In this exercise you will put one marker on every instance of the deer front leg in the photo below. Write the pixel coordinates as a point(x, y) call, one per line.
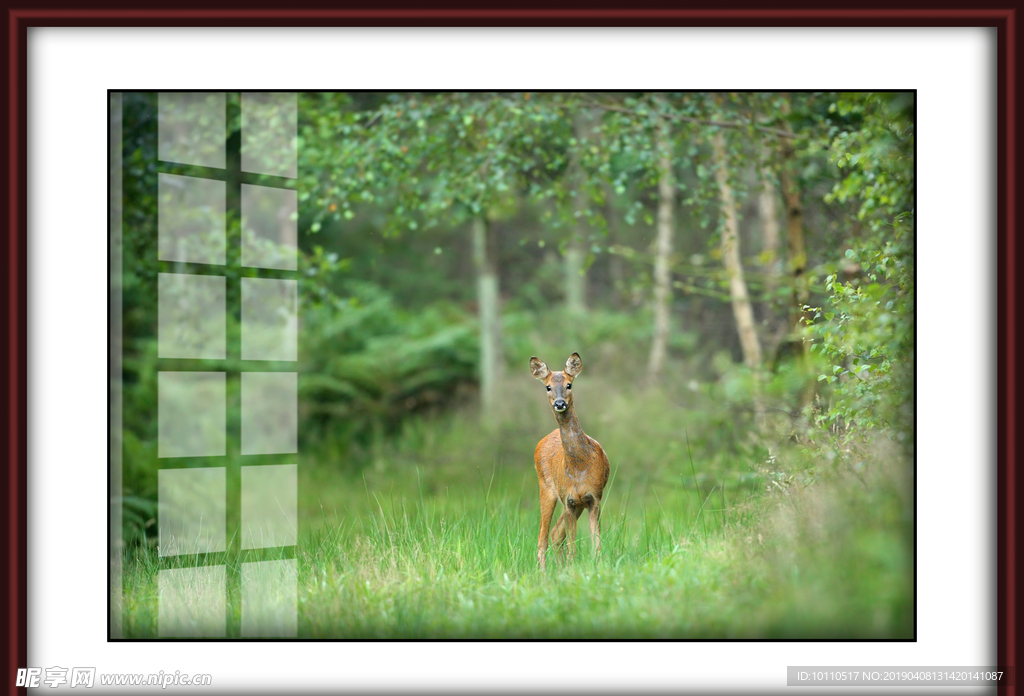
point(547, 509)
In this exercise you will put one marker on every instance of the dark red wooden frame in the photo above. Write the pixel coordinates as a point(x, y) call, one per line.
point(1002, 16)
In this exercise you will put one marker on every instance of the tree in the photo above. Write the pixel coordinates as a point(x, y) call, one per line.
point(485, 261)
point(768, 213)
point(794, 222)
point(663, 251)
point(638, 145)
point(730, 240)
point(575, 252)
point(867, 330)
point(456, 159)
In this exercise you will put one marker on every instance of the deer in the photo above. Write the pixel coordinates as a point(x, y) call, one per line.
point(572, 468)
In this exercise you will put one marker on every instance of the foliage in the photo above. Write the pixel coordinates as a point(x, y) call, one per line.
point(867, 331)
point(368, 364)
point(434, 157)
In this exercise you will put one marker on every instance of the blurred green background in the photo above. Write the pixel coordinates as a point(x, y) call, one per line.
point(736, 271)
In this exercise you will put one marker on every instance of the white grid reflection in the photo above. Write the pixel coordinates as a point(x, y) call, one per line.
point(270, 413)
point(191, 414)
point(269, 227)
point(191, 128)
point(269, 599)
point(269, 133)
point(269, 506)
point(192, 603)
point(192, 511)
point(270, 310)
point(191, 316)
point(190, 219)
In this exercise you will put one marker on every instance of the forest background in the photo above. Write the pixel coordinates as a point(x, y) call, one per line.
point(735, 269)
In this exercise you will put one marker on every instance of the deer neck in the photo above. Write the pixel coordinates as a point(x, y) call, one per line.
point(575, 443)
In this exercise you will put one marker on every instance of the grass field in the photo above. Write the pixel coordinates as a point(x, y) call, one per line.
point(436, 537)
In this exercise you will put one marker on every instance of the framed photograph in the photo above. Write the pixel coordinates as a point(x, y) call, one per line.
point(344, 310)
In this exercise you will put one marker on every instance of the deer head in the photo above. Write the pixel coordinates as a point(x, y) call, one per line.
point(558, 384)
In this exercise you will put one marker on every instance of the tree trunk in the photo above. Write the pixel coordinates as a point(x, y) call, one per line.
point(575, 254)
point(575, 278)
point(797, 250)
point(741, 308)
point(795, 237)
point(616, 272)
point(768, 212)
point(663, 253)
point(794, 222)
point(485, 260)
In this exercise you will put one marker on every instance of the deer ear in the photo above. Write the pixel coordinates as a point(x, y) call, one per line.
point(539, 369)
point(573, 366)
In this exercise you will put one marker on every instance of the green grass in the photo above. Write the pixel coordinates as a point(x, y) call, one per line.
point(437, 537)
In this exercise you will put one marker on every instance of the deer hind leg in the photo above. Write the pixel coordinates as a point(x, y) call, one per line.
point(572, 513)
point(595, 526)
point(558, 535)
point(547, 509)
point(571, 520)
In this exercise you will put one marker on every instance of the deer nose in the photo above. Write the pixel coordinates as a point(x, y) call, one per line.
point(559, 404)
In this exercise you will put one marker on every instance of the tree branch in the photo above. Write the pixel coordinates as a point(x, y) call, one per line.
point(688, 119)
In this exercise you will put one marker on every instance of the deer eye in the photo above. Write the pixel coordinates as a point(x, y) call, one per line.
point(568, 386)
point(549, 388)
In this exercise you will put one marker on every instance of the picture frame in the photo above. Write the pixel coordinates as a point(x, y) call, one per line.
point(16, 547)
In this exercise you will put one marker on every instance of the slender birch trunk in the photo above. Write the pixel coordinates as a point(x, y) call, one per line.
point(768, 211)
point(575, 253)
point(486, 264)
point(663, 253)
point(615, 270)
point(741, 307)
point(575, 278)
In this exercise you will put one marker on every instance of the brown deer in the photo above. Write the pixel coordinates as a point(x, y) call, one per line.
point(572, 468)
